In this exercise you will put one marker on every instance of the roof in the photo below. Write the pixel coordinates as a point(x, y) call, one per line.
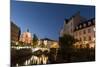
point(75, 15)
point(87, 23)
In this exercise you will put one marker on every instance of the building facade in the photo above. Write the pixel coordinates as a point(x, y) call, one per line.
point(81, 29)
point(26, 37)
point(85, 34)
point(71, 23)
point(15, 32)
point(48, 43)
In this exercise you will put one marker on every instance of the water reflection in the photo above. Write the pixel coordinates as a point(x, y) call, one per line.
point(37, 60)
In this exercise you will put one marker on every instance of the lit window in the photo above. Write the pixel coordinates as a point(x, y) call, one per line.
point(80, 26)
point(76, 27)
point(94, 29)
point(84, 38)
point(89, 30)
point(84, 31)
point(89, 37)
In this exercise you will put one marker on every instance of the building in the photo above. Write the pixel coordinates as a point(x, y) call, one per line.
point(26, 37)
point(48, 43)
point(81, 29)
point(15, 33)
point(71, 23)
point(85, 34)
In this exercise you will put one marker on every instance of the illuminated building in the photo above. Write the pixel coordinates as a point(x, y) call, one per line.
point(85, 34)
point(15, 33)
point(48, 43)
point(26, 37)
point(71, 23)
point(81, 29)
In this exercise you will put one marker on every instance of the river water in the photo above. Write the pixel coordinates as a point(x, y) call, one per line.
point(26, 58)
point(34, 60)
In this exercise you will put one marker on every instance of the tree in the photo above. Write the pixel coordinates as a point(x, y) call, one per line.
point(66, 43)
point(35, 40)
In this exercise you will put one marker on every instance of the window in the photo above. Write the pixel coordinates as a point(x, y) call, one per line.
point(80, 33)
point(84, 25)
point(84, 31)
point(80, 26)
point(76, 27)
point(89, 38)
point(80, 39)
point(84, 38)
point(94, 34)
point(94, 29)
point(89, 23)
point(71, 24)
point(89, 30)
point(76, 34)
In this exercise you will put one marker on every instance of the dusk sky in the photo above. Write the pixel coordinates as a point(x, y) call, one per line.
point(44, 19)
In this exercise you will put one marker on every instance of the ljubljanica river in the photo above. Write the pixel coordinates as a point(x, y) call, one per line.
point(35, 60)
point(25, 57)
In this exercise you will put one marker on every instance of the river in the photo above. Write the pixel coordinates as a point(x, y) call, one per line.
point(34, 60)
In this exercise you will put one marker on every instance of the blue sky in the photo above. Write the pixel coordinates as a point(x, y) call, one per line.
point(44, 19)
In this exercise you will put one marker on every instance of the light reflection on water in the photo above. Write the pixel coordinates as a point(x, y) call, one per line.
point(37, 60)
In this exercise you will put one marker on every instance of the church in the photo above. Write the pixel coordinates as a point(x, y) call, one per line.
point(26, 37)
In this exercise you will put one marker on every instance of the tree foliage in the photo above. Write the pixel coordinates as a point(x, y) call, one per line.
point(66, 41)
point(35, 40)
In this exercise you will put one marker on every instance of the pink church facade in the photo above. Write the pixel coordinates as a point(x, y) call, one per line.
point(26, 37)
